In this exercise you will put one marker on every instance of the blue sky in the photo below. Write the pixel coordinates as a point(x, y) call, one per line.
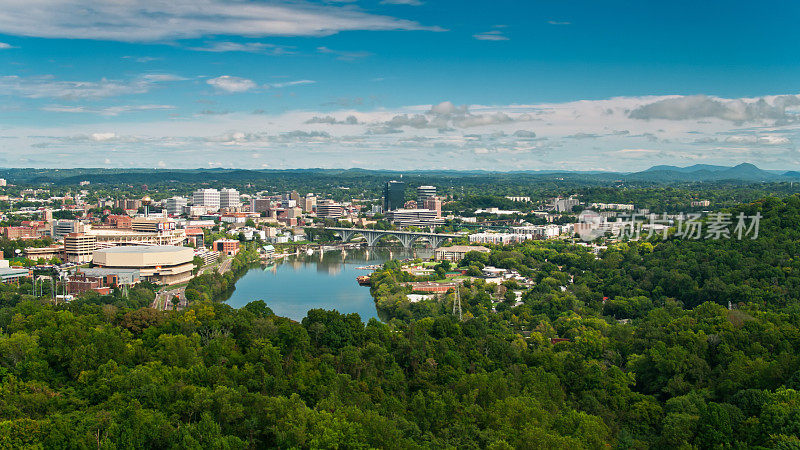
point(497, 85)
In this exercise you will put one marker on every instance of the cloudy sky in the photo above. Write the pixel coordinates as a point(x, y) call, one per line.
point(399, 84)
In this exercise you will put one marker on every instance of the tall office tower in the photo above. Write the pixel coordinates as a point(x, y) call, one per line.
point(294, 196)
point(434, 204)
point(208, 198)
point(229, 198)
point(394, 195)
point(424, 192)
point(260, 204)
point(174, 205)
point(308, 203)
point(79, 248)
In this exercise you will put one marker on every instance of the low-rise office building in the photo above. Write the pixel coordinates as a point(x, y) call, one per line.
point(14, 233)
point(11, 274)
point(228, 247)
point(414, 217)
point(61, 228)
point(537, 231)
point(53, 251)
point(208, 256)
point(494, 238)
point(78, 247)
point(79, 283)
point(148, 225)
point(328, 209)
point(113, 277)
point(457, 252)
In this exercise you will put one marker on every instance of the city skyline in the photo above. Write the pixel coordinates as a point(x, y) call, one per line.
point(399, 84)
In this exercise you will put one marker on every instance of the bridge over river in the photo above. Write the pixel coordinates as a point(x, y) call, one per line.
point(406, 237)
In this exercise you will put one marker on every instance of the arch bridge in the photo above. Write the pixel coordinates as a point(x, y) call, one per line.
point(407, 238)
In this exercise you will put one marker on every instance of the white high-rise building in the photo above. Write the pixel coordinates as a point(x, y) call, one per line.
point(424, 193)
point(206, 197)
point(229, 198)
point(174, 205)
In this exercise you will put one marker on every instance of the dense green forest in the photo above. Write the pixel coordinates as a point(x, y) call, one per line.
point(659, 344)
point(474, 189)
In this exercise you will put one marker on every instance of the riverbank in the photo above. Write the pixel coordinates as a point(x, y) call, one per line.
point(294, 285)
point(213, 286)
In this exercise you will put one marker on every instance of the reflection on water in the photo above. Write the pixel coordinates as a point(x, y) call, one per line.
point(293, 286)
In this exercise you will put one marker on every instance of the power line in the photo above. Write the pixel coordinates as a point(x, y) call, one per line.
point(457, 304)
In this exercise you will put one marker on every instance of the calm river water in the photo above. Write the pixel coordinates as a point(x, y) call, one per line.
point(298, 283)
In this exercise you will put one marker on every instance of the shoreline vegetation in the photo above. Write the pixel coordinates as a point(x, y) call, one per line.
point(215, 286)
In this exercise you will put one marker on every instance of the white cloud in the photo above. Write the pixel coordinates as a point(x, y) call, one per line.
point(155, 20)
point(4, 46)
point(445, 115)
point(758, 140)
point(143, 59)
point(581, 135)
point(290, 83)
point(246, 47)
point(232, 84)
point(557, 22)
point(161, 77)
point(494, 35)
point(344, 55)
point(106, 111)
point(101, 137)
point(48, 87)
point(705, 107)
point(330, 120)
point(401, 2)
point(633, 153)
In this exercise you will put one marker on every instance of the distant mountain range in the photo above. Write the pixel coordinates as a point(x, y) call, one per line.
point(706, 172)
point(661, 174)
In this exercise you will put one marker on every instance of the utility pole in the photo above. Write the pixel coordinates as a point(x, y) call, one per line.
point(457, 304)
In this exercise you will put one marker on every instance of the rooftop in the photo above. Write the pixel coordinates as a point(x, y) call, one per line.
point(464, 248)
point(141, 249)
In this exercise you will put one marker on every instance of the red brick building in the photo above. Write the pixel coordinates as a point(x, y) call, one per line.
point(80, 283)
point(195, 237)
point(120, 221)
point(427, 286)
point(14, 233)
point(228, 247)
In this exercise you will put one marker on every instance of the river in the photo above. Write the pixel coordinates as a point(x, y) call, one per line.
point(298, 283)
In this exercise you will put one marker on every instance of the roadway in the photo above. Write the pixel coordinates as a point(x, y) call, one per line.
point(163, 300)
